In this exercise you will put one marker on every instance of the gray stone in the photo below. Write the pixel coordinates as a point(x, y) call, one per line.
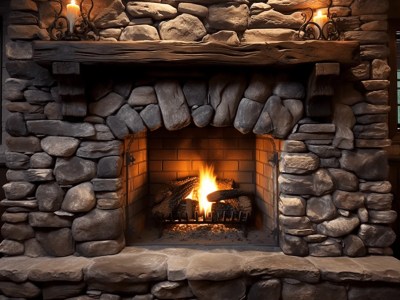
point(332, 162)
point(19, 50)
point(27, 32)
point(48, 220)
point(247, 115)
point(99, 149)
point(293, 245)
point(317, 128)
point(305, 291)
point(31, 175)
point(195, 92)
point(214, 266)
point(339, 227)
point(131, 118)
point(315, 238)
point(369, 119)
point(49, 196)
point(229, 16)
point(156, 11)
point(41, 160)
point(139, 33)
point(107, 105)
point(11, 248)
point(282, 120)
point(275, 19)
point(15, 125)
point(376, 235)
point(329, 247)
point(320, 209)
point(292, 205)
point(171, 100)
point(14, 217)
point(371, 293)
point(37, 96)
point(33, 248)
point(61, 128)
point(53, 111)
point(374, 51)
point(24, 107)
point(193, 9)
point(366, 164)
point(367, 108)
point(17, 232)
point(378, 201)
point(293, 146)
point(80, 198)
point(343, 180)
point(184, 27)
point(365, 7)
point(295, 108)
point(59, 146)
point(265, 289)
point(376, 187)
point(14, 88)
point(354, 246)
point(259, 88)
point(106, 184)
point(289, 90)
point(348, 200)
point(223, 36)
point(74, 170)
point(142, 95)
point(100, 248)
point(109, 167)
point(316, 184)
point(103, 133)
point(362, 214)
point(298, 163)
point(216, 290)
point(56, 242)
point(171, 290)
point(28, 144)
point(98, 225)
point(19, 205)
point(264, 123)
point(371, 131)
point(30, 70)
point(324, 151)
point(298, 226)
point(19, 290)
point(63, 290)
point(117, 126)
point(128, 269)
point(111, 33)
point(18, 190)
point(112, 16)
point(382, 216)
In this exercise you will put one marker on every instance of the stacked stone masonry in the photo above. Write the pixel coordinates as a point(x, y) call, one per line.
point(334, 195)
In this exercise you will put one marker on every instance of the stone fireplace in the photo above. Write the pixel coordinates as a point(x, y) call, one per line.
point(101, 132)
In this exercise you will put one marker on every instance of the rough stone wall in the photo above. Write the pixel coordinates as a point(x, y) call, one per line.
point(334, 199)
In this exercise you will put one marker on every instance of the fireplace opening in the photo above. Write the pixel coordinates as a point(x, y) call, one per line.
point(160, 163)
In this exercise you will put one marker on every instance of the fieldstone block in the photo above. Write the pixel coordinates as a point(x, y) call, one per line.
point(41, 160)
point(344, 180)
point(14, 89)
point(305, 291)
point(10, 247)
point(98, 225)
point(80, 198)
point(27, 32)
point(369, 109)
point(378, 97)
point(348, 200)
point(369, 7)
point(293, 245)
point(63, 290)
point(193, 9)
point(95, 150)
point(320, 209)
point(103, 133)
point(376, 187)
point(329, 247)
point(289, 90)
point(48, 220)
point(223, 36)
point(247, 115)
point(203, 115)
point(378, 201)
point(282, 120)
point(24, 5)
point(171, 100)
point(156, 11)
point(61, 128)
point(131, 118)
point(264, 123)
point(31, 175)
point(170, 290)
point(59, 146)
point(284, 5)
point(367, 37)
point(33, 248)
point(298, 163)
point(112, 16)
point(49, 196)
point(354, 246)
point(23, 144)
point(273, 34)
point(259, 88)
point(19, 290)
point(265, 289)
point(18, 190)
point(216, 290)
point(230, 16)
point(30, 70)
point(17, 232)
point(56, 242)
point(151, 116)
point(382, 216)
point(117, 127)
point(380, 69)
point(100, 248)
point(316, 184)
point(292, 205)
point(369, 293)
point(139, 33)
point(184, 27)
point(366, 164)
point(195, 92)
point(14, 217)
point(339, 227)
point(109, 167)
point(142, 96)
point(107, 105)
point(275, 19)
point(74, 170)
point(298, 226)
point(111, 33)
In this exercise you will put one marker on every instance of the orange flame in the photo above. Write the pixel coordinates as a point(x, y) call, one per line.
point(207, 185)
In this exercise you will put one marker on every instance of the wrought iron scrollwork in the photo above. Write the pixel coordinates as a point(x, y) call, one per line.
point(83, 29)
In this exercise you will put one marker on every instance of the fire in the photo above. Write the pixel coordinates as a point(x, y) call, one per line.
point(207, 185)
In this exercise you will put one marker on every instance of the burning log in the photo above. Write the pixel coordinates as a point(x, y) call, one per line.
point(224, 195)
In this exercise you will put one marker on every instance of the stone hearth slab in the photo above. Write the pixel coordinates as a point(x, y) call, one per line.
point(131, 264)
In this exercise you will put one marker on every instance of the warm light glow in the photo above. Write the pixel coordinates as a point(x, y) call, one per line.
point(207, 185)
point(73, 12)
point(320, 18)
point(73, 2)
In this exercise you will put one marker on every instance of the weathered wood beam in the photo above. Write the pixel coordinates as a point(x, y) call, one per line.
point(143, 52)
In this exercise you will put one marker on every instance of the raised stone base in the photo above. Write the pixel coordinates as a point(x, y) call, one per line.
point(182, 273)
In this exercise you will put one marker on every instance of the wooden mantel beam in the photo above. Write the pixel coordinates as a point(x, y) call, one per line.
point(144, 52)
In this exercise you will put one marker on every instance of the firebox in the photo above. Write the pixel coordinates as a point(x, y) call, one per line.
point(163, 187)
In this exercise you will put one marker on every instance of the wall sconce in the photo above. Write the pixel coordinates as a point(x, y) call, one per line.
point(76, 25)
point(319, 27)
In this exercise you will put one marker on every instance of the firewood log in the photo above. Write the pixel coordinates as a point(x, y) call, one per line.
point(224, 194)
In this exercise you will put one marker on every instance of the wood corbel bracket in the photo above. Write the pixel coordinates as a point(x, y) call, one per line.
point(321, 90)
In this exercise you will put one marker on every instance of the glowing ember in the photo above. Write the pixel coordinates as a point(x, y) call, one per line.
point(207, 185)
